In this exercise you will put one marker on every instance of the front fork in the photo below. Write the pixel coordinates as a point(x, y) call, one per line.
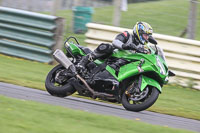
point(141, 84)
point(135, 86)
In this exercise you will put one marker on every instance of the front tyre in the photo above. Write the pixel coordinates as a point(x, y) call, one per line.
point(142, 101)
point(56, 89)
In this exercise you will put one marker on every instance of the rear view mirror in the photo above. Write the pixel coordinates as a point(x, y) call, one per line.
point(152, 40)
point(171, 74)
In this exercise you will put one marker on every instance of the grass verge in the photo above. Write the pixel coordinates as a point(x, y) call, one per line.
point(21, 116)
point(174, 100)
point(166, 17)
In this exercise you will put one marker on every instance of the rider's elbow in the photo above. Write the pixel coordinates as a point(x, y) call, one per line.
point(117, 44)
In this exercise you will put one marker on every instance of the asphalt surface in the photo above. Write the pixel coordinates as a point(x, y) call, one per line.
point(98, 107)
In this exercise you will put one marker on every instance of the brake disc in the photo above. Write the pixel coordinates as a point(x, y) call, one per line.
point(60, 76)
point(137, 97)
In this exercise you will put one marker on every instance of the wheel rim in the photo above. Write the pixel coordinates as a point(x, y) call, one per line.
point(136, 98)
point(53, 80)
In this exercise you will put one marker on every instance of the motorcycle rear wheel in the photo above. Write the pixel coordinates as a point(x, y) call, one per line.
point(55, 89)
point(142, 104)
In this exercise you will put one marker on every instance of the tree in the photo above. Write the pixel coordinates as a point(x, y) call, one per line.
point(191, 29)
point(56, 6)
point(117, 12)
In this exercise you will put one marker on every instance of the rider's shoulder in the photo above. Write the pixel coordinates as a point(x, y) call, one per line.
point(124, 34)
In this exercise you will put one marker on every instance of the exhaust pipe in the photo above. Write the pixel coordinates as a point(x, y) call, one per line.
point(61, 58)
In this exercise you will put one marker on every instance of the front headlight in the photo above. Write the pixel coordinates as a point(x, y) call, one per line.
point(160, 65)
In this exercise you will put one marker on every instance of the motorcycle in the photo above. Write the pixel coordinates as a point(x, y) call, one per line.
point(132, 78)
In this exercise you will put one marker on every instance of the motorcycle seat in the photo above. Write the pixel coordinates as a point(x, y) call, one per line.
point(85, 49)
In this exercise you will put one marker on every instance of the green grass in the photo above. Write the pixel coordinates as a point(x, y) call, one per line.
point(21, 116)
point(166, 16)
point(179, 101)
point(174, 100)
point(23, 72)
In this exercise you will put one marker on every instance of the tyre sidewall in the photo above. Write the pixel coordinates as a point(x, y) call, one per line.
point(60, 91)
point(146, 104)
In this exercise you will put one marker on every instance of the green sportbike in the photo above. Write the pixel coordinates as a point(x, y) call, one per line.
point(128, 77)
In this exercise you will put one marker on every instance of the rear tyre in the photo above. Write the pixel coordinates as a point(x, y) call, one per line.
point(133, 104)
point(55, 89)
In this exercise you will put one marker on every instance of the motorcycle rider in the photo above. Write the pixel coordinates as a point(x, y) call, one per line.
point(123, 41)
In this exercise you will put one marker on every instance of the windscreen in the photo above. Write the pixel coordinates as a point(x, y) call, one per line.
point(160, 51)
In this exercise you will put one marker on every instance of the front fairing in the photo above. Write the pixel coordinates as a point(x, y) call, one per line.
point(153, 63)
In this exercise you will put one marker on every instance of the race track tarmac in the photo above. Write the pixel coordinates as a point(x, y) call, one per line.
point(98, 107)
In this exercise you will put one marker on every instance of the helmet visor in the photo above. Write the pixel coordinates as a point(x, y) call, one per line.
point(145, 37)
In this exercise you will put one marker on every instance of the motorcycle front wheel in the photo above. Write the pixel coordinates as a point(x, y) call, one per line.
point(138, 102)
point(56, 89)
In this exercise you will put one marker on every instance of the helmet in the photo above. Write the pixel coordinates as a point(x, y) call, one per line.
point(142, 31)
